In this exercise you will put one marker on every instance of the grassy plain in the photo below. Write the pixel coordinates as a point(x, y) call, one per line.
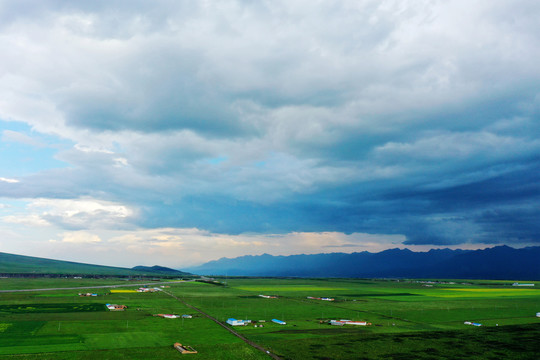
point(44, 283)
point(409, 319)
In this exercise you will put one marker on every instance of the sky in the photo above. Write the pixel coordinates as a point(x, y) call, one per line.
point(178, 132)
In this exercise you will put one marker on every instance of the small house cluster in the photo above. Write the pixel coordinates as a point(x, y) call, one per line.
point(88, 294)
point(519, 284)
point(145, 290)
point(268, 296)
point(348, 322)
point(115, 307)
point(318, 298)
point(431, 282)
point(173, 316)
point(256, 323)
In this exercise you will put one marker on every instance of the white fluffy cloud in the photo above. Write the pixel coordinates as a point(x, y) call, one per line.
point(8, 180)
point(85, 213)
point(78, 237)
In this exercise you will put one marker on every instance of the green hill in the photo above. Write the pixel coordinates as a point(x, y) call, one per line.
point(20, 264)
point(159, 270)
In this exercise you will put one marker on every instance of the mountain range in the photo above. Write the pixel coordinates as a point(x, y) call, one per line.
point(500, 262)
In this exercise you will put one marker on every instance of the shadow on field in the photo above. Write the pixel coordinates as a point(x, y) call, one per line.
point(502, 342)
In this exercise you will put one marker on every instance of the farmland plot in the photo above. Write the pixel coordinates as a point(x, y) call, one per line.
point(408, 320)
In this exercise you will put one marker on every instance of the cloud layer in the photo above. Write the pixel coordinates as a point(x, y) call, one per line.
point(412, 119)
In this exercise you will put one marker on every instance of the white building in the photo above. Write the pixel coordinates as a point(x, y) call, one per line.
point(171, 316)
point(349, 322)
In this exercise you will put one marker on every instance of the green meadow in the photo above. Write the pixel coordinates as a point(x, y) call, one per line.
point(409, 319)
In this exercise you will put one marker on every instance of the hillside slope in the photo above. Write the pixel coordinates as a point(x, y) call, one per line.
point(20, 264)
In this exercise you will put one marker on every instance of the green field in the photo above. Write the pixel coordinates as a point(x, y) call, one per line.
point(49, 308)
point(410, 320)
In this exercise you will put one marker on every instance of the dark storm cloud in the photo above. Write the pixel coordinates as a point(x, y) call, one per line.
point(419, 119)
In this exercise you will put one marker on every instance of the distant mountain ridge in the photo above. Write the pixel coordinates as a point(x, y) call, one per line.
point(500, 262)
point(21, 264)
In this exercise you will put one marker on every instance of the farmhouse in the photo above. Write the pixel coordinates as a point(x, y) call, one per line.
point(358, 323)
point(184, 349)
point(518, 284)
point(145, 289)
point(114, 307)
point(187, 316)
point(268, 296)
point(168, 316)
point(280, 322)
point(234, 322)
point(349, 322)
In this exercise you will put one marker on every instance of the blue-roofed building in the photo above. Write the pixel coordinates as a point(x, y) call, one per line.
point(234, 322)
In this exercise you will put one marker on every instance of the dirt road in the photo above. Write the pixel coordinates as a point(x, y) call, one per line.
point(226, 327)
